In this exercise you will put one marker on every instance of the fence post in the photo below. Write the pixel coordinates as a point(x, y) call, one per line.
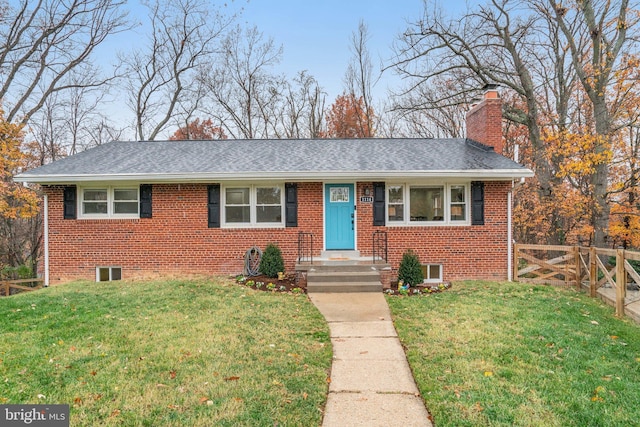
point(516, 251)
point(593, 272)
point(576, 260)
point(621, 282)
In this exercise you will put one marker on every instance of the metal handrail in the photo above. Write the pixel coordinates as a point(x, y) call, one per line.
point(380, 246)
point(305, 246)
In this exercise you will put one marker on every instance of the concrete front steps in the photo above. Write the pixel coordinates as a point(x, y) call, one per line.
point(343, 278)
point(342, 273)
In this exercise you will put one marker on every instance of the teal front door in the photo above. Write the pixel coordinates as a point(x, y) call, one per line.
point(339, 225)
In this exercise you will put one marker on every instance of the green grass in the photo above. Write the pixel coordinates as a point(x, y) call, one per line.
point(171, 353)
point(504, 354)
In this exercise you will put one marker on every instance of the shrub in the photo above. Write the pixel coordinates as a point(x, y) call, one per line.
point(410, 270)
point(13, 273)
point(272, 261)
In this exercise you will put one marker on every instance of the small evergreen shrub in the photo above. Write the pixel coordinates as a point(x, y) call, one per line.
point(272, 261)
point(410, 270)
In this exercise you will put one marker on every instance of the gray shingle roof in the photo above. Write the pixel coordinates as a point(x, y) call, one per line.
point(303, 159)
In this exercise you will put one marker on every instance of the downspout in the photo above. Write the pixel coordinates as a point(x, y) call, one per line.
point(46, 240)
point(514, 185)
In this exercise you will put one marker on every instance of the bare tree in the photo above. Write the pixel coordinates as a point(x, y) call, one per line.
point(161, 75)
point(45, 42)
point(245, 93)
point(359, 76)
point(102, 132)
point(303, 105)
point(504, 43)
point(547, 54)
point(414, 114)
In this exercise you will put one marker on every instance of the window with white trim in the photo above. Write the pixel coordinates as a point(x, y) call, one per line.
point(108, 274)
point(457, 203)
point(253, 205)
point(418, 204)
point(396, 203)
point(432, 273)
point(109, 202)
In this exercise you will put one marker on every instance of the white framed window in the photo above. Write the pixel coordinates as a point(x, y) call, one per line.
point(108, 274)
point(396, 203)
point(427, 204)
point(432, 273)
point(457, 203)
point(253, 206)
point(109, 202)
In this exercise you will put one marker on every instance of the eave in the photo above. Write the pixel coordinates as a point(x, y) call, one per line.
point(293, 176)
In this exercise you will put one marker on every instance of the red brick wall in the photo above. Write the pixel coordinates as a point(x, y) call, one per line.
point(177, 240)
point(484, 121)
point(466, 252)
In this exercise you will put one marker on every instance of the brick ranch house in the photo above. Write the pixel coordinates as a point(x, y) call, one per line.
point(148, 208)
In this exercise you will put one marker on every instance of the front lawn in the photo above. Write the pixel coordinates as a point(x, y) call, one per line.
point(510, 354)
point(170, 353)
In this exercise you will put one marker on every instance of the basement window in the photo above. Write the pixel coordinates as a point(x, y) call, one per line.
point(432, 273)
point(108, 274)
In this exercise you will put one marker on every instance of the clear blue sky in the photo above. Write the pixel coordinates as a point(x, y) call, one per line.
point(316, 35)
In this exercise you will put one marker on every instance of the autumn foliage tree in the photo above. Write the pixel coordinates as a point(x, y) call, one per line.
point(349, 117)
point(198, 130)
point(16, 201)
point(18, 204)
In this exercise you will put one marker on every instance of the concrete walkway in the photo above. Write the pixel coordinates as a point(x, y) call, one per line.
point(371, 383)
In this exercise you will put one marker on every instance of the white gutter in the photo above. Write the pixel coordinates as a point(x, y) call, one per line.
point(510, 229)
point(299, 176)
point(46, 240)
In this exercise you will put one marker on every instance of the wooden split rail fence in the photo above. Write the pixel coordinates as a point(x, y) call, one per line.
point(580, 267)
point(11, 287)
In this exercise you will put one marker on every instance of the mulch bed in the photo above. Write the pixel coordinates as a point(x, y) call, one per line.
point(296, 283)
point(292, 283)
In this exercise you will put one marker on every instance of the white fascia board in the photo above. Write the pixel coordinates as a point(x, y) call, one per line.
point(298, 176)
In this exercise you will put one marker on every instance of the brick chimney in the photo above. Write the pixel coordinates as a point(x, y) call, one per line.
point(484, 119)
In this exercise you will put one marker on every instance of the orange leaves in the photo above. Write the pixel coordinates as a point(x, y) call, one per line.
point(625, 224)
point(578, 154)
point(597, 394)
point(196, 129)
point(349, 117)
point(16, 201)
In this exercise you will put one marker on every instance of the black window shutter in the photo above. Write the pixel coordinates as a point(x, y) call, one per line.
point(291, 204)
point(146, 210)
point(213, 205)
point(70, 202)
point(477, 203)
point(378, 203)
